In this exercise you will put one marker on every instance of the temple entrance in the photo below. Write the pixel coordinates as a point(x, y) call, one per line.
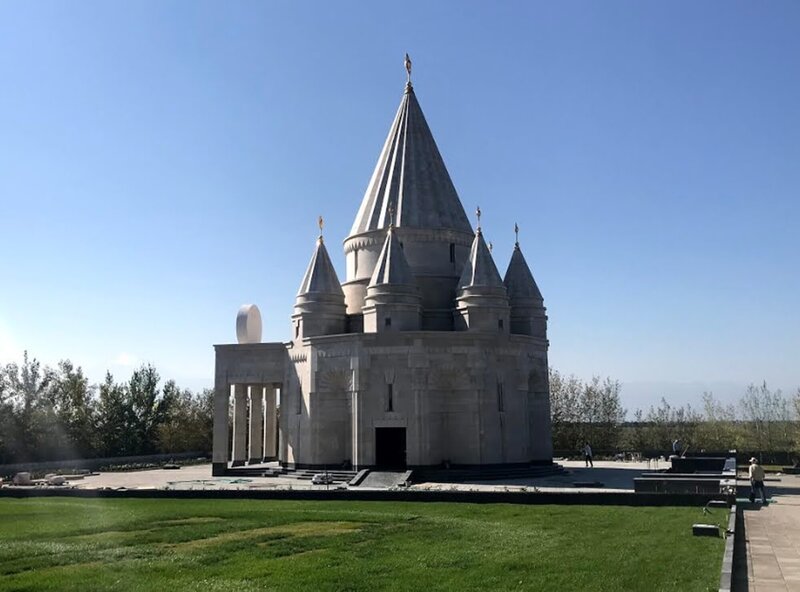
point(390, 448)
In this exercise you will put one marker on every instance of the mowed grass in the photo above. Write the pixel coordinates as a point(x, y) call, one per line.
point(209, 545)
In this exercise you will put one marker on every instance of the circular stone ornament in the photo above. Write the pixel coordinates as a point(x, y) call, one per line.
point(248, 324)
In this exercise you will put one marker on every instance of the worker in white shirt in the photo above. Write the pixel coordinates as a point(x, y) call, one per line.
point(757, 481)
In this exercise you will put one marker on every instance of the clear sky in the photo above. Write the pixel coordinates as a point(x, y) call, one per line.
point(162, 163)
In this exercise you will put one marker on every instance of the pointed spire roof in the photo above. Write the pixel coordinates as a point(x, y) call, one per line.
point(320, 277)
point(392, 267)
point(519, 280)
point(480, 270)
point(410, 177)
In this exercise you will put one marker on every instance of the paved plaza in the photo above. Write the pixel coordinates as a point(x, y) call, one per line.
point(609, 476)
point(773, 539)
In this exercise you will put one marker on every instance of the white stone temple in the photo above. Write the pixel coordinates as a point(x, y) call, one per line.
point(424, 356)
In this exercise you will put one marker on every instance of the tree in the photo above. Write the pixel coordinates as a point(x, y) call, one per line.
point(6, 417)
point(27, 392)
point(583, 412)
point(565, 395)
point(75, 406)
point(602, 413)
point(718, 430)
point(149, 407)
point(189, 423)
point(768, 417)
point(113, 419)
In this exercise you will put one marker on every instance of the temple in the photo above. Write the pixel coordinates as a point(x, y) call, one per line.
point(422, 357)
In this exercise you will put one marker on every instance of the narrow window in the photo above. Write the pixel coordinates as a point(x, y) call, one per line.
point(299, 403)
point(401, 245)
point(500, 401)
point(500, 324)
point(390, 397)
point(452, 253)
point(387, 322)
point(355, 263)
point(297, 329)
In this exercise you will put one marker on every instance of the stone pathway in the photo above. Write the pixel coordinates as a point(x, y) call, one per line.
point(773, 539)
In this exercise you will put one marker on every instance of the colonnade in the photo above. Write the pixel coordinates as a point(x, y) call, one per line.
point(255, 424)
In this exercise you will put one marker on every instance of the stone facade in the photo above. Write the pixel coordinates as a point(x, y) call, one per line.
point(424, 356)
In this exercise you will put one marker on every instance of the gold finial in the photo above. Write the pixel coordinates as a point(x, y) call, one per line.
point(321, 223)
point(516, 232)
point(407, 63)
point(478, 214)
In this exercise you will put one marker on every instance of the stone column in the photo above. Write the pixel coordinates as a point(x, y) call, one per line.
point(219, 458)
point(256, 424)
point(270, 423)
point(239, 424)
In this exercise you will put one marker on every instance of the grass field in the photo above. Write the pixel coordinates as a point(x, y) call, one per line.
point(209, 545)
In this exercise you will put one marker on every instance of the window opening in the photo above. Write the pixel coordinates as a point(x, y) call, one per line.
point(500, 397)
point(390, 397)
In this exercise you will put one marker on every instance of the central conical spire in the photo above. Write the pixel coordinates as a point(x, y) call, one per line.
point(410, 177)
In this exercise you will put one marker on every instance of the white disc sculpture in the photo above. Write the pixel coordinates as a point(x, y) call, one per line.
point(248, 324)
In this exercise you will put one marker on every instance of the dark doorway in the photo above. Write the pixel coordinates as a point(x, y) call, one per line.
point(390, 448)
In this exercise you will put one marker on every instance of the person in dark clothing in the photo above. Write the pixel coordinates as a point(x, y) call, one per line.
point(587, 455)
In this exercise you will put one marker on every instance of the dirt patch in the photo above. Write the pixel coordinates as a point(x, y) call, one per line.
point(188, 521)
point(105, 535)
point(298, 529)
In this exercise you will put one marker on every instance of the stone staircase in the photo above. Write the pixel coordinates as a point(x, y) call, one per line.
point(338, 476)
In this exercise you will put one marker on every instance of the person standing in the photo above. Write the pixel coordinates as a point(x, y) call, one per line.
point(587, 455)
point(757, 481)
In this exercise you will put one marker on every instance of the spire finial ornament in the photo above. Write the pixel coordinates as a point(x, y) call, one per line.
point(321, 223)
point(407, 63)
point(516, 232)
point(478, 214)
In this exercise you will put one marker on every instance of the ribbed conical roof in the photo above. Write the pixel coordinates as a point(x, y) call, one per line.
point(480, 269)
point(392, 267)
point(519, 280)
point(411, 178)
point(320, 277)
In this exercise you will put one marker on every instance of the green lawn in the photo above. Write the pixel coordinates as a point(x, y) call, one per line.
point(175, 545)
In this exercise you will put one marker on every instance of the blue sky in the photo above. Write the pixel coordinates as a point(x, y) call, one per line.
point(163, 163)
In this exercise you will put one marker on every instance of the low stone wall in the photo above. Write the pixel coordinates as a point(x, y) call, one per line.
point(728, 557)
point(705, 484)
point(600, 498)
point(698, 464)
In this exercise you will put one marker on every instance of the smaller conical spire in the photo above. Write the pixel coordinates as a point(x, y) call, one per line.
point(480, 269)
point(528, 315)
point(320, 277)
point(519, 281)
point(392, 267)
